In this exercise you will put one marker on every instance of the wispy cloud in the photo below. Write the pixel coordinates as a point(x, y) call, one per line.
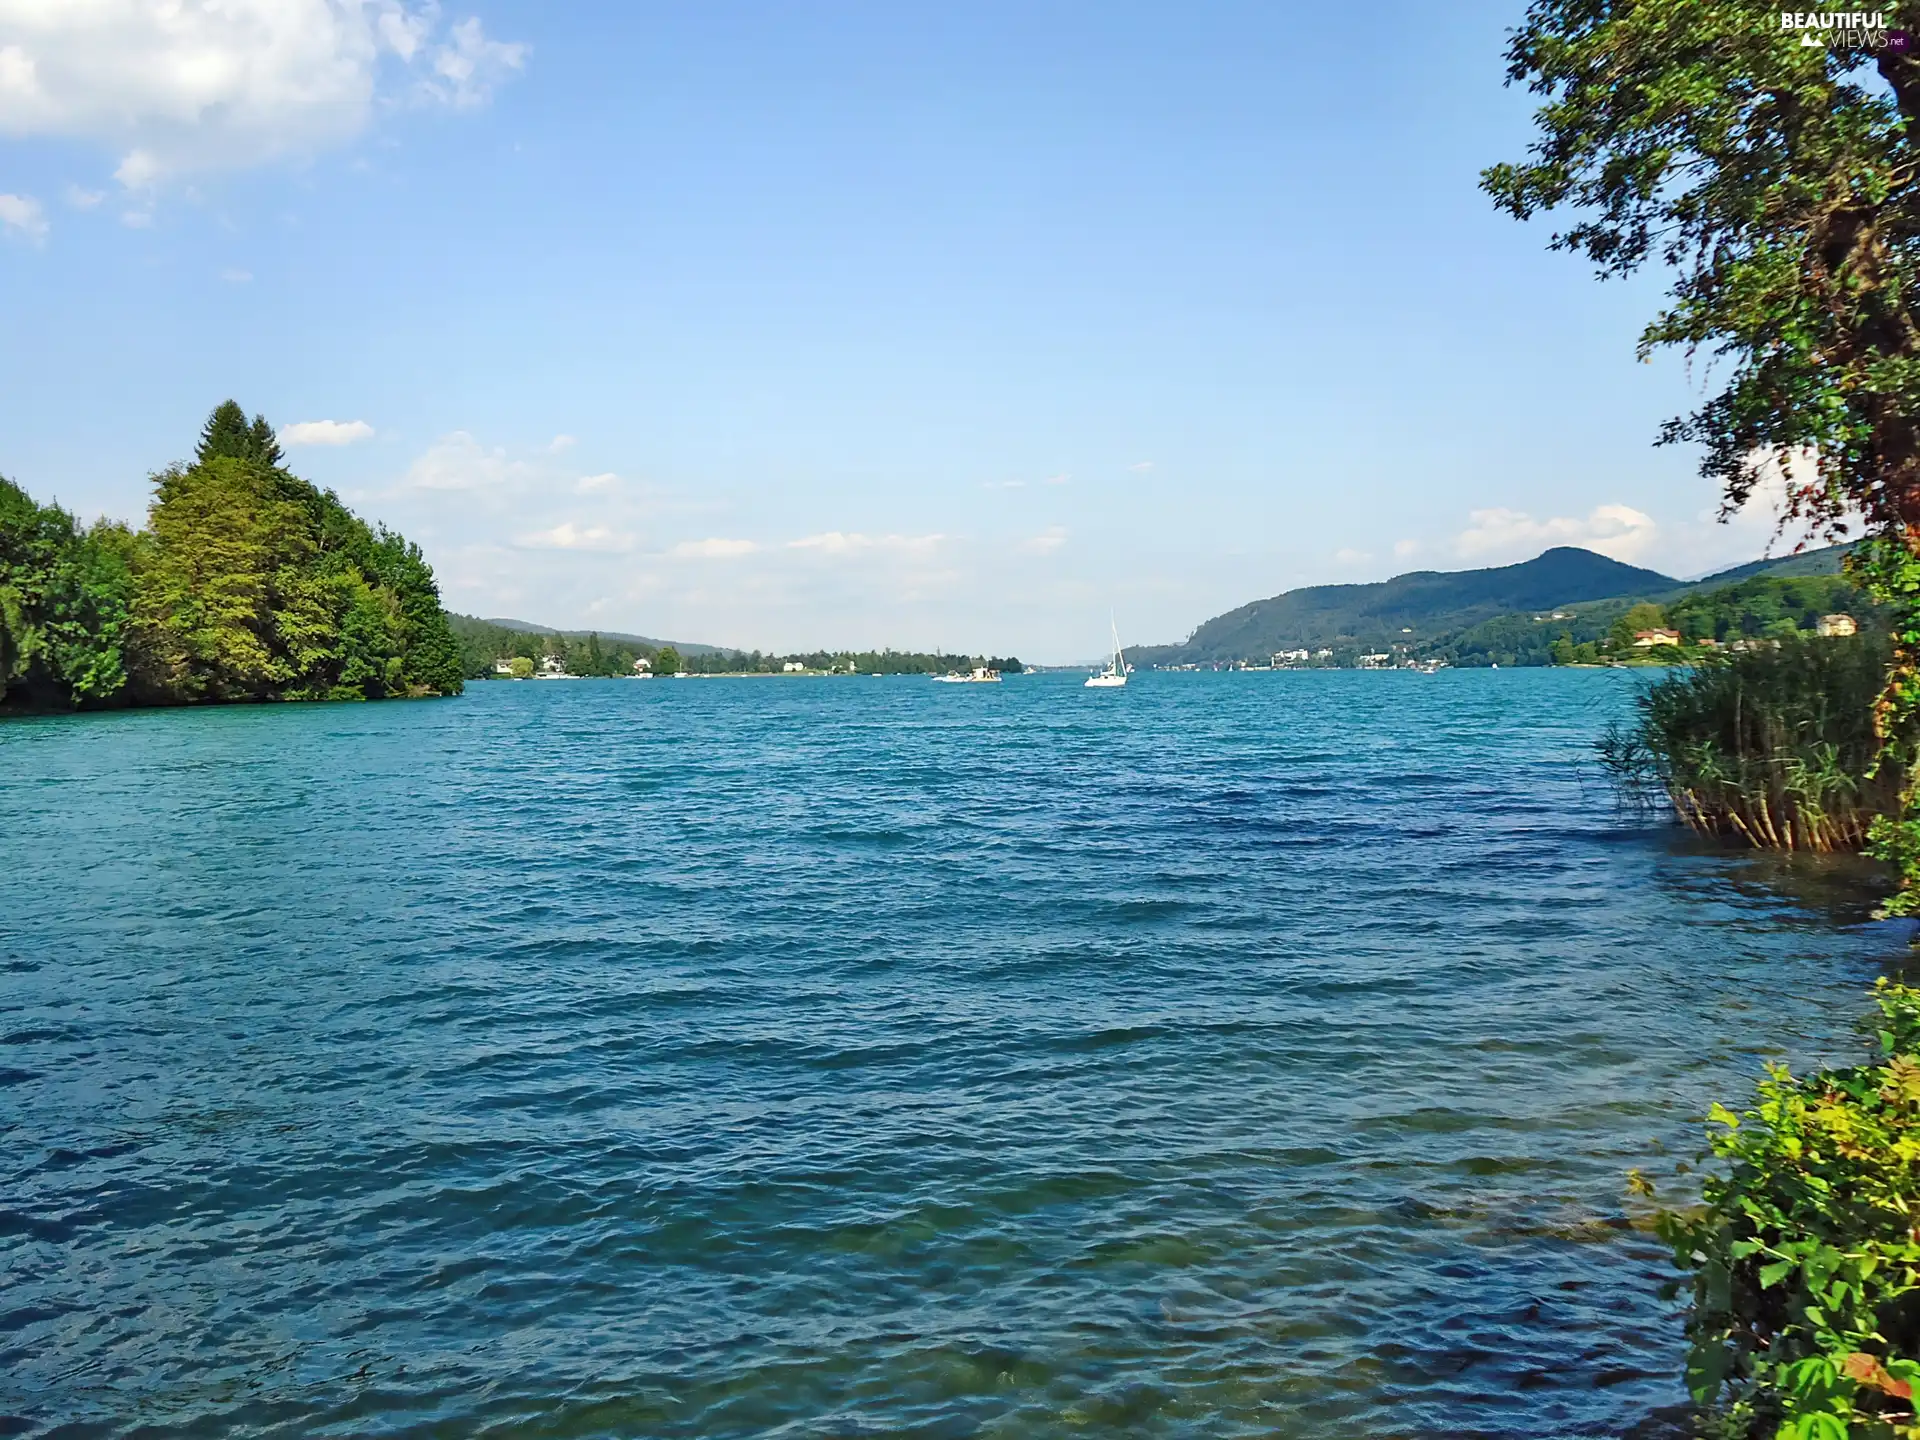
point(590, 484)
point(1141, 465)
point(82, 199)
point(1003, 484)
point(457, 461)
point(569, 536)
point(22, 215)
point(326, 432)
point(712, 549)
point(1350, 556)
point(561, 442)
point(1619, 531)
point(1061, 479)
point(835, 542)
point(236, 277)
point(1403, 548)
point(1047, 541)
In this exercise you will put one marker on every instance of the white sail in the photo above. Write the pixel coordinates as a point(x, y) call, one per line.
point(1115, 675)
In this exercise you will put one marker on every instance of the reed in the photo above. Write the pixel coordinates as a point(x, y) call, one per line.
point(1771, 747)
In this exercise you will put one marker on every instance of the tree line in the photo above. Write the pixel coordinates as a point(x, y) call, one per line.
point(247, 583)
point(1764, 607)
point(483, 644)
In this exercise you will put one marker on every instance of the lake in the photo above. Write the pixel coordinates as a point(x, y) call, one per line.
point(1241, 1054)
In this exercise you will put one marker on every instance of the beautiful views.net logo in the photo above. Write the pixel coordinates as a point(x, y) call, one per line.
point(1845, 29)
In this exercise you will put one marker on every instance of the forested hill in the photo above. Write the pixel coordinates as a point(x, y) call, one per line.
point(246, 584)
point(1415, 608)
point(617, 637)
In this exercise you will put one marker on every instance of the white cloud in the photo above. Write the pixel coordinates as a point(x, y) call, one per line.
point(1048, 541)
point(23, 215)
point(465, 70)
point(569, 536)
point(236, 277)
point(460, 462)
point(1350, 556)
point(178, 87)
point(81, 199)
point(1060, 479)
point(1403, 548)
point(560, 442)
point(1618, 531)
point(1003, 484)
point(588, 484)
point(137, 219)
point(835, 542)
point(714, 549)
point(325, 432)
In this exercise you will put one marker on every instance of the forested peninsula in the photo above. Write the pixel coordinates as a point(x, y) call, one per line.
point(247, 584)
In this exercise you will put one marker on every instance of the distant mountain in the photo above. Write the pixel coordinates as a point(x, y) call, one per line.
point(617, 637)
point(1420, 608)
point(1824, 561)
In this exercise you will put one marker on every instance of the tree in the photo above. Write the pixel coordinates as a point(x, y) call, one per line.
point(1780, 183)
point(229, 435)
point(64, 595)
point(667, 662)
point(522, 668)
point(1644, 616)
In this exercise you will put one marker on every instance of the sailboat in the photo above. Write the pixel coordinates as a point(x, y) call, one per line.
point(1115, 674)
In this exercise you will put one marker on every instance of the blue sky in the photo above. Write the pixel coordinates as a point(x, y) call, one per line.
point(837, 323)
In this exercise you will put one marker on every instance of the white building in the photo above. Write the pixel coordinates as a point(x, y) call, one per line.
point(503, 667)
point(792, 667)
point(1831, 625)
point(553, 665)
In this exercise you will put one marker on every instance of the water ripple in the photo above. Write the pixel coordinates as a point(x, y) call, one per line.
point(1236, 1055)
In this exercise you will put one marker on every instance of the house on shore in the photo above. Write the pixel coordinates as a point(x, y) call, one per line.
point(1833, 625)
point(1653, 639)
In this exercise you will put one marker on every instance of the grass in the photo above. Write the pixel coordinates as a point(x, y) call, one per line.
point(1771, 747)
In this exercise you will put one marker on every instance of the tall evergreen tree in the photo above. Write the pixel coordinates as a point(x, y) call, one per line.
point(229, 435)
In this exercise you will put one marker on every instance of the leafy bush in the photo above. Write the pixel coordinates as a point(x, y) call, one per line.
point(1806, 1252)
point(1774, 745)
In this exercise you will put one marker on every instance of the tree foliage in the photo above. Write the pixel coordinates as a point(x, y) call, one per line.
point(248, 583)
point(1805, 1256)
point(1779, 183)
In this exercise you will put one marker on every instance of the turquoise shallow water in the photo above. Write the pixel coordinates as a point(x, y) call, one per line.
point(1230, 1055)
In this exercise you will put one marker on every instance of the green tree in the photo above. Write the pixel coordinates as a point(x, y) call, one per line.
point(1780, 183)
point(667, 662)
point(229, 435)
point(1644, 616)
point(522, 668)
point(64, 595)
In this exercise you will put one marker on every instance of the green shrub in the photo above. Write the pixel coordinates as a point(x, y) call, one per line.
point(1773, 745)
point(1805, 1254)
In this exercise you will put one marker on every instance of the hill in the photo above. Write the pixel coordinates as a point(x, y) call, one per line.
point(1423, 608)
point(1824, 561)
point(612, 637)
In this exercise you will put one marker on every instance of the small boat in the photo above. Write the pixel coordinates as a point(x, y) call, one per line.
point(979, 675)
point(1115, 675)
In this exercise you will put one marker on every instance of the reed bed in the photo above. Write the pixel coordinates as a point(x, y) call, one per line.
point(1770, 747)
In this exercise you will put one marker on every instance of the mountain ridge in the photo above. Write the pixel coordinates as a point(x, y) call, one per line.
point(1424, 609)
point(617, 637)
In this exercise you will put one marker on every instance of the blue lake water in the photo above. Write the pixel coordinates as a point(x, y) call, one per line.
point(1228, 1055)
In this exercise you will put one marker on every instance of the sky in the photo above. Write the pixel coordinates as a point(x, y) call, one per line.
point(836, 324)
